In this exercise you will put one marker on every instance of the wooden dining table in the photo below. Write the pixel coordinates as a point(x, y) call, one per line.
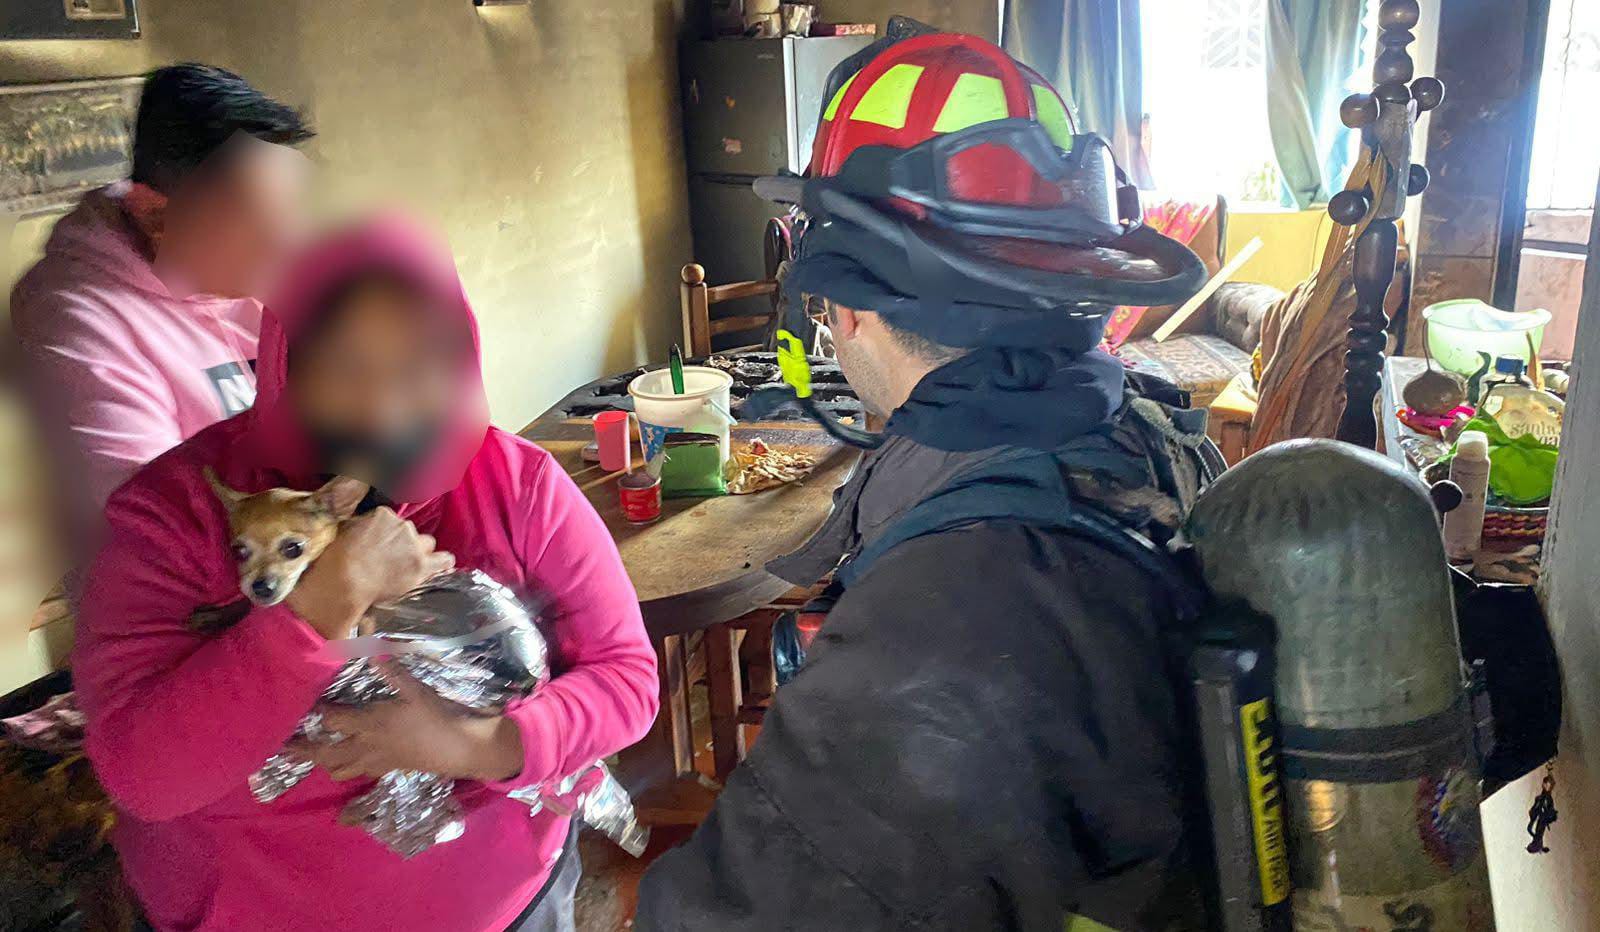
point(697, 567)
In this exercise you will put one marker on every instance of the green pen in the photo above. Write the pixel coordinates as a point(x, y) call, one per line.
point(676, 364)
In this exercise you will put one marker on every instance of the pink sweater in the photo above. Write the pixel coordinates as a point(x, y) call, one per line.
point(177, 721)
point(124, 369)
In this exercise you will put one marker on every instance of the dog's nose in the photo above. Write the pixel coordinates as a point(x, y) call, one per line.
point(264, 589)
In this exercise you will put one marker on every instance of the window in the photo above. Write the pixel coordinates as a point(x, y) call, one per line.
point(1205, 94)
point(1566, 136)
point(1202, 59)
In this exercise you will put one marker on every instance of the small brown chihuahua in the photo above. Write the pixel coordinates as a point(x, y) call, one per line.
point(278, 533)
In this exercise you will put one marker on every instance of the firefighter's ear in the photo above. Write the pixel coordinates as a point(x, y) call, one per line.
point(844, 322)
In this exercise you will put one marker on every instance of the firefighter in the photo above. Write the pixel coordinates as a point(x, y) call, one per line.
point(985, 734)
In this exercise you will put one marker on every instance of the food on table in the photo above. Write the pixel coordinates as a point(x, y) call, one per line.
point(760, 466)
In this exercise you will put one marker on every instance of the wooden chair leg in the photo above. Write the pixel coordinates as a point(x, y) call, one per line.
point(761, 676)
point(675, 703)
point(669, 746)
point(726, 696)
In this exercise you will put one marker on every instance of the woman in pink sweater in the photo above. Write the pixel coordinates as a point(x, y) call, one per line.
point(369, 365)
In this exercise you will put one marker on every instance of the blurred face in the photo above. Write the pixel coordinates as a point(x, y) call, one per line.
point(226, 229)
point(377, 379)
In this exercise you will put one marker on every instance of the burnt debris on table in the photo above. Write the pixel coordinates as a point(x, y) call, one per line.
point(750, 371)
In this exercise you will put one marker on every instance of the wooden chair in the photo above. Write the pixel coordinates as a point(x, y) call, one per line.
point(698, 297)
point(699, 326)
point(740, 652)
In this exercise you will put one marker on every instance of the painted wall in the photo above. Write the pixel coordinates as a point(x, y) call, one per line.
point(543, 140)
point(1291, 244)
point(1560, 891)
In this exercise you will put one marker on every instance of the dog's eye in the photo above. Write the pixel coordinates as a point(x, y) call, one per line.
point(241, 553)
point(292, 549)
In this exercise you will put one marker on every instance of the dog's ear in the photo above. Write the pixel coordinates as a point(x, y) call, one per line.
point(340, 496)
point(230, 497)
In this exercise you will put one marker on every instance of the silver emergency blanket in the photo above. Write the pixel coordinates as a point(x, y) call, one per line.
point(473, 642)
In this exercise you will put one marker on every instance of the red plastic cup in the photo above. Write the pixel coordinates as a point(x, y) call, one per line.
point(639, 494)
point(611, 436)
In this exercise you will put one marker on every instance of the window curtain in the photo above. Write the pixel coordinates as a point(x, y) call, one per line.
point(1090, 50)
point(1313, 47)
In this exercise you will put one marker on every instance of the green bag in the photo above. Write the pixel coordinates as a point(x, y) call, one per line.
point(1522, 470)
point(693, 466)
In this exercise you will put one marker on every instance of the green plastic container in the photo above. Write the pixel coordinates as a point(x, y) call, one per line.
point(1466, 334)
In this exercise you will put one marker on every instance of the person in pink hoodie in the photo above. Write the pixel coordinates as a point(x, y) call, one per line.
point(369, 367)
point(140, 322)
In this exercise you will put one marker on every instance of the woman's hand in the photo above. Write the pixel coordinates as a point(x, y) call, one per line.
point(375, 557)
point(416, 730)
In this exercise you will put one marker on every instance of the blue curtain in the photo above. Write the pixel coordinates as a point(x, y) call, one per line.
point(1090, 50)
point(1312, 49)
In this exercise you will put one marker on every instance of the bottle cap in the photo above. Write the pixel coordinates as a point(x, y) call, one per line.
point(1473, 444)
point(1509, 365)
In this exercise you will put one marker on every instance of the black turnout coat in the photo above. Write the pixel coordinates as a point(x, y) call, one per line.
point(985, 734)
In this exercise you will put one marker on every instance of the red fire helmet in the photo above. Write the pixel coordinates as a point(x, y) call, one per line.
point(939, 83)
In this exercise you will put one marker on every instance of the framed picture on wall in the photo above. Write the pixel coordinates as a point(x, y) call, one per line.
point(69, 19)
point(58, 141)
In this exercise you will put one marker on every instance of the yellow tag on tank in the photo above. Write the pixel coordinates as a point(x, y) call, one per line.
point(794, 365)
point(1266, 800)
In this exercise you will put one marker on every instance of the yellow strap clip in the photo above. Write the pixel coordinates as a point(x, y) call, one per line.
point(793, 364)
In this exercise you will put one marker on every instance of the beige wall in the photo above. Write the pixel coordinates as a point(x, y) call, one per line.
point(543, 139)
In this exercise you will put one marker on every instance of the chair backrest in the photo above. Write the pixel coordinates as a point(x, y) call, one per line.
point(698, 297)
point(777, 247)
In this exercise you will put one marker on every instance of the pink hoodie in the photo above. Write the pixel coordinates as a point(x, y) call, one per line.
point(122, 367)
point(177, 721)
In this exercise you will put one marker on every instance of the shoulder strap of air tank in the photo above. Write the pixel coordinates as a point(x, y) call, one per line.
point(1028, 490)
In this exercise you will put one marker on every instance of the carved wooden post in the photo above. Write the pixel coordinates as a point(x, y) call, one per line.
point(1386, 118)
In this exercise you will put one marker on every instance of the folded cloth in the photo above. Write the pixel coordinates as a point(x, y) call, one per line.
point(473, 642)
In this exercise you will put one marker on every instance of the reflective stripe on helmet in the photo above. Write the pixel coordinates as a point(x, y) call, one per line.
point(1053, 115)
point(888, 100)
point(975, 98)
point(838, 98)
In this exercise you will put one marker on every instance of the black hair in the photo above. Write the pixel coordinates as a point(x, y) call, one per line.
point(189, 111)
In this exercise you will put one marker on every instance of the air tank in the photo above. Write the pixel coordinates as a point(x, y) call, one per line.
point(1341, 548)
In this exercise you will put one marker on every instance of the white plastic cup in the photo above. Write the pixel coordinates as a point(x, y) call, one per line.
point(701, 409)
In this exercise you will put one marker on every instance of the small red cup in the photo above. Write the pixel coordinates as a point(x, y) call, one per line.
point(639, 494)
point(611, 436)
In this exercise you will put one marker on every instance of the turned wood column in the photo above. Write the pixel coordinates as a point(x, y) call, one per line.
point(1386, 118)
